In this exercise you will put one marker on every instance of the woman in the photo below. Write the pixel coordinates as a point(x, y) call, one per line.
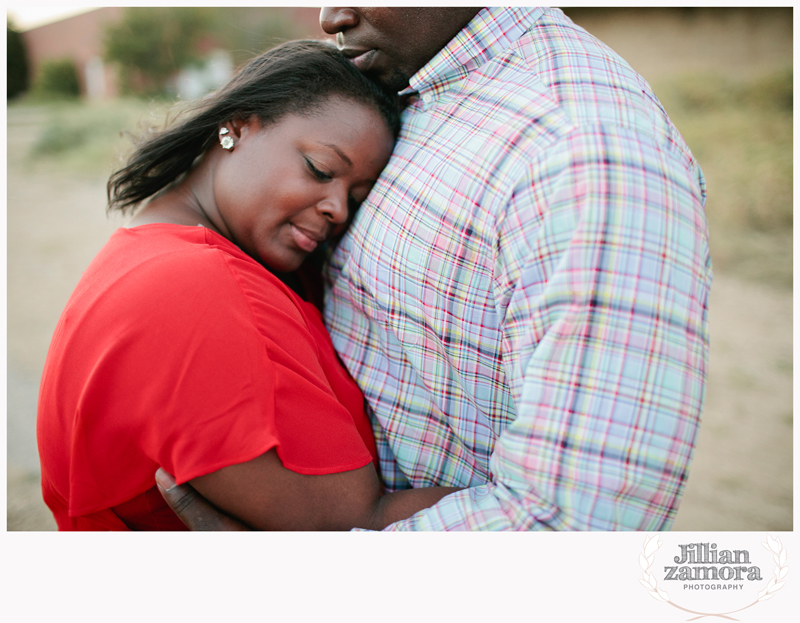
point(183, 347)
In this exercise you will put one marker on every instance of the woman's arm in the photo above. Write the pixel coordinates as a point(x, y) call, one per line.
point(264, 495)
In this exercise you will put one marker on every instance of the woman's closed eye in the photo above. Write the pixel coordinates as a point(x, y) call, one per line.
point(320, 175)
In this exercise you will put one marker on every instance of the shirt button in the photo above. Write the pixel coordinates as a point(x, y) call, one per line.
point(427, 98)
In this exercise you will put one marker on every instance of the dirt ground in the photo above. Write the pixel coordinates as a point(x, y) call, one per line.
point(741, 477)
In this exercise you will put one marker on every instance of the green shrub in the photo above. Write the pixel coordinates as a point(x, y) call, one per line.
point(59, 138)
point(57, 79)
point(17, 63)
point(150, 44)
point(773, 91)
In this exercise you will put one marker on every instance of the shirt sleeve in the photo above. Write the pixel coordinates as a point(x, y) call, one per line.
point(604, 283)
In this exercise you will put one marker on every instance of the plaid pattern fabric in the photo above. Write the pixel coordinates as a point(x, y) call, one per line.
point(523, 296)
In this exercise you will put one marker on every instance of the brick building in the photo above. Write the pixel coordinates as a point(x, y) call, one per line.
point(80, 38)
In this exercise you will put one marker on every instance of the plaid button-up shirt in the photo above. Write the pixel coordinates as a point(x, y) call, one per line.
point(523, 296)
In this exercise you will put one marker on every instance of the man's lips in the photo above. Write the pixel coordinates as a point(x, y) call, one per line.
point(305, 239)
point(362, 59)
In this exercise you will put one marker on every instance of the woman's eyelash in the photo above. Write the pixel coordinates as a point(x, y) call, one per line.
point(321, 175)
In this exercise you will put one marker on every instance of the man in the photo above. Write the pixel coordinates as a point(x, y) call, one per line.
point(523, 296)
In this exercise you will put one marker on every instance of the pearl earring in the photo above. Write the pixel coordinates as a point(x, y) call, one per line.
point(225, 141)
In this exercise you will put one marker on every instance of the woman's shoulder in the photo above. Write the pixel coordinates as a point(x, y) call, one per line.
point(204, 266)
point(184, 257)
point(190, 279)
point(162, 268)
point(170, 244)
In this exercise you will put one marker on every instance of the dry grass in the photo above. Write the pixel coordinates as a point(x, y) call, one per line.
point(86, 139)
point(741, 133)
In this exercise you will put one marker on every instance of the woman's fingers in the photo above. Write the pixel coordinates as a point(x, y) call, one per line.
point(193, 509)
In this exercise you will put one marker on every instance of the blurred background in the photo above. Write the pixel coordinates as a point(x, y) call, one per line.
point(84, 83)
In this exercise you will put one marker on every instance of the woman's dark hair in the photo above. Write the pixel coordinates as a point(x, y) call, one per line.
point(294, 77)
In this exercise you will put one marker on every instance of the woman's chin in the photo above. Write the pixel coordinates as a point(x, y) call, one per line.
point(285, 264)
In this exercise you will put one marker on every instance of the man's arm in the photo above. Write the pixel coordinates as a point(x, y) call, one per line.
point(263, 495)
point(606, 343)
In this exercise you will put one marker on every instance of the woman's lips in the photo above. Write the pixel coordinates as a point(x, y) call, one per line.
point(304, 239)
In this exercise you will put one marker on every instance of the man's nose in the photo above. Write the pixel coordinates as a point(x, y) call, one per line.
point(337, 19)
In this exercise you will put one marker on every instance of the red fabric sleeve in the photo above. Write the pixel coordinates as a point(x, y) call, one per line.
point(319, 408)
point(177, 376)
point(191, 357)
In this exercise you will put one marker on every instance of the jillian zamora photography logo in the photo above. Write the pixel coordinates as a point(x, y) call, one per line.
point(712, 578)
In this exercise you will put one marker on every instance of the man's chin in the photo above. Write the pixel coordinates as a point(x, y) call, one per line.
point(392, 80)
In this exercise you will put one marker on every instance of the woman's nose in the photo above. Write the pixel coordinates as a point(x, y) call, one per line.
point(337, 19)
point(335, 209)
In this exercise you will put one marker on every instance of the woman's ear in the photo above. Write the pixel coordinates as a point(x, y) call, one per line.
point(236, 126)
point(233, 131)
point(233, 128)
point(242, 127)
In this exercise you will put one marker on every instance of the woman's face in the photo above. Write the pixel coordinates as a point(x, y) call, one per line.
point(288, 186)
